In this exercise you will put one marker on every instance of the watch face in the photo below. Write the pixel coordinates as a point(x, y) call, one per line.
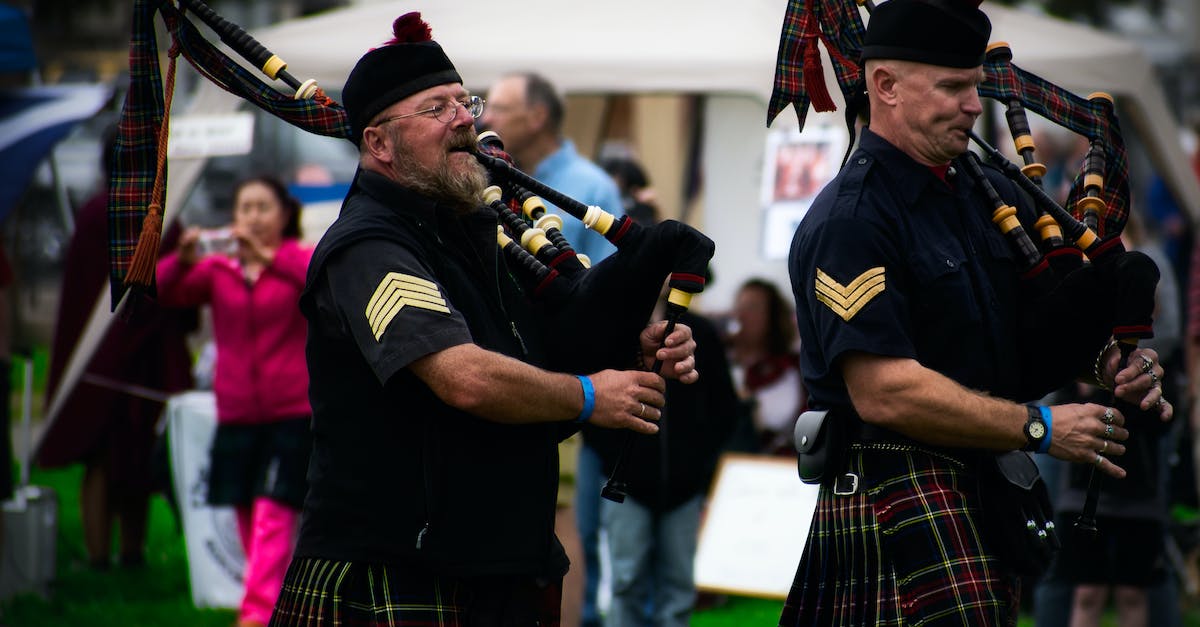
point(1037, 430)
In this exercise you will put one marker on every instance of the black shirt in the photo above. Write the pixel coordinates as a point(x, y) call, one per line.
point(891, 260)
point(396, 475)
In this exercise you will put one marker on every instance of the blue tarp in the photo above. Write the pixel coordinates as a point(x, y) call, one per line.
point(16, 42)
point(32, 121)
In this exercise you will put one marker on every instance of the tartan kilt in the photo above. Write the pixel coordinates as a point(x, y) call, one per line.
point(905, 549)
point(322, 592)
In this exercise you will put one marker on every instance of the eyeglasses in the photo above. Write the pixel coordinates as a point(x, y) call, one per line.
point(444, 112)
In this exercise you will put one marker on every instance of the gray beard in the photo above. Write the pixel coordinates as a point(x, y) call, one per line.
point(462, 190)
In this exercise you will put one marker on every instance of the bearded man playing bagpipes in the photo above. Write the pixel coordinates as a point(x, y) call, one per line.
point(435, 424)
point(922, 337)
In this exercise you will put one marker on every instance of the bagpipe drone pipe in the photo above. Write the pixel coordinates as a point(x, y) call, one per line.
point(594, 311)
point(597, 309)
point(1081, 285)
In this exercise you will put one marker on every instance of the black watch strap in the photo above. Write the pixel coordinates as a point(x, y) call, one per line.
point(1032, 444)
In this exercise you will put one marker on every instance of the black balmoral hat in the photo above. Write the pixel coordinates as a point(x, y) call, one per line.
point(401, 67)
point(950, 33)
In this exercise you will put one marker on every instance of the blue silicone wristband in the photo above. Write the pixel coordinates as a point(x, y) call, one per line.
point(589, 399)
point(1049, 420)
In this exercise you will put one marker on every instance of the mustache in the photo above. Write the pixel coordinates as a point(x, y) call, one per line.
point(464, 140)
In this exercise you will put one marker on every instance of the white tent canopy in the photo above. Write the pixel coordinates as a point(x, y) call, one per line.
point(706, 46)
point(616, 46)
point(725, 50)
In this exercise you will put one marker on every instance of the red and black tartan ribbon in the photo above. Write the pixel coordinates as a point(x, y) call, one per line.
point(1093, 119)
point(838, 25)
point(132, 179)
point(841, 29)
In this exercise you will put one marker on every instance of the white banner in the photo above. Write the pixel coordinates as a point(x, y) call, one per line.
point(215, 558)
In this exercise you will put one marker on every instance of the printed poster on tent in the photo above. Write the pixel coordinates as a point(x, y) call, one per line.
point(796, 166)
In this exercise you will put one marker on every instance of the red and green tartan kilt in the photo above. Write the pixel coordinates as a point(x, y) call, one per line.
point(906, 549)
point(352, 594)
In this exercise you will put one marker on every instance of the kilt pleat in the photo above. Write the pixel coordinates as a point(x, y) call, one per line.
point(328, 593)
point(906, 549)
point(343, 594)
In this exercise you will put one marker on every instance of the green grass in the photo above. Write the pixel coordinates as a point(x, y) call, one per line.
point(158, 593)
point(740, 612)
point(155, 594)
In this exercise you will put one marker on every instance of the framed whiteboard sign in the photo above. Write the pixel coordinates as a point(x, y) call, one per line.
point(755, 528)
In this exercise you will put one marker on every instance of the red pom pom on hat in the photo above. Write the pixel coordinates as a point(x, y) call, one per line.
point(410, 29)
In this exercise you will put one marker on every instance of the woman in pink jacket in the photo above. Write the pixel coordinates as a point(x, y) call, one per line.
point(260, 453)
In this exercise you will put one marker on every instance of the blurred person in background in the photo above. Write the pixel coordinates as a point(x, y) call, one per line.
point(107, 421)
point(527, 112)
point(251, 276)
point(638, 199)
point(652, 535)
point(766, 364)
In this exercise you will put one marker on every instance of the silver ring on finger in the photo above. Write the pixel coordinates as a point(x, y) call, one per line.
point(1153, 378)
point(641, 410)
point(1147, 363)
point(1108, 431)
point(1162, 400)
point(1099, 459)
point(1108, 416)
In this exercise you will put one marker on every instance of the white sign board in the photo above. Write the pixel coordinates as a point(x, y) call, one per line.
point(756, 526)
point(210, 135)
point(214, 551)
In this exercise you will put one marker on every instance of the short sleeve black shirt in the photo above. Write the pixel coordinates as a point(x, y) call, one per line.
point(891, 260)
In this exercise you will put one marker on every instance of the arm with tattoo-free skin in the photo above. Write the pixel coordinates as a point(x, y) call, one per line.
point(499, 388)
point(902, 395)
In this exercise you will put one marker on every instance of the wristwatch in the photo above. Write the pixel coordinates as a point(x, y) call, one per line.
point(1035, 429)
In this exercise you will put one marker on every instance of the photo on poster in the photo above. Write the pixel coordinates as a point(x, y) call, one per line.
point(797, 165)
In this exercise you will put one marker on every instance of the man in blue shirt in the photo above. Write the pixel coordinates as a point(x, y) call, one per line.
point(527, 112)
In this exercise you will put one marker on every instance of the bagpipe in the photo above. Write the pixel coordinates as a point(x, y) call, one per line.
point(138, 183)
point(617, 295)
point(1082, 283)
point(594, 313)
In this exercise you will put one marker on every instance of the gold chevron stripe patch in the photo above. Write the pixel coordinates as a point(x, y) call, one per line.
point(847, 300)
point(397, 290)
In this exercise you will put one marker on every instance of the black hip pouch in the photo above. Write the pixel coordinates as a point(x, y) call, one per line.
point(820, 438)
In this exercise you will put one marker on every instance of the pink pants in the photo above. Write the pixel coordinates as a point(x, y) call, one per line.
point(268, 532)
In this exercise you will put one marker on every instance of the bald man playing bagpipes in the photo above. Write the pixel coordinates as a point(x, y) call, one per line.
point(921, 341)
point(436, 419)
